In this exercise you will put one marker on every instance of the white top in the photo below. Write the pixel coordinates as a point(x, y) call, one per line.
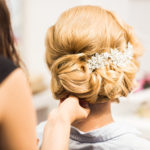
point(114, 136)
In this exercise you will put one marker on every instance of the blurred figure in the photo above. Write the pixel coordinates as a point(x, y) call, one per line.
point(17, 115)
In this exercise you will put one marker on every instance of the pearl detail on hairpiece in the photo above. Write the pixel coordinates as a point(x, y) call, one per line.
point(115, 58)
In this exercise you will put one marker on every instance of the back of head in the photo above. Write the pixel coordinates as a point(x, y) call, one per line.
point(79, 33)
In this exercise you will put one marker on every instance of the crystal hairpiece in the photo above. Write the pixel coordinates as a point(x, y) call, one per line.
point(115, 58)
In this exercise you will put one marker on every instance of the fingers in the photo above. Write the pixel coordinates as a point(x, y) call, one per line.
point(75, 108)
point(83, 107)
point(70, 100)
point(79, 103)
point(71, 97)
point(85, 111)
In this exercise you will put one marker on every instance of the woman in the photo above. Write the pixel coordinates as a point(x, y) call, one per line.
point(93, 55)
point(17, 115)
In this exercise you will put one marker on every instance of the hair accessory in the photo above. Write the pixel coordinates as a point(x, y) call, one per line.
point(115, 58)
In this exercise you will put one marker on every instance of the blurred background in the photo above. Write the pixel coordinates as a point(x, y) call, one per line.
point(32, 18)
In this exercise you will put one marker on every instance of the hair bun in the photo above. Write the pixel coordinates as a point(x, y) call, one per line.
point(70, 42)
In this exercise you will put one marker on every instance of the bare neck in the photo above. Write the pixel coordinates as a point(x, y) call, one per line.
point(99, 116)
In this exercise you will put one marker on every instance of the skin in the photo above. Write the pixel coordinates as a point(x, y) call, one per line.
point(17, 112)
point(59, 123)
point(100, 115)
point(18, 120)
point(85, 119)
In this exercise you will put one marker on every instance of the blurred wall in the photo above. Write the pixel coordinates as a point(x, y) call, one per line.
point(139, 18)
point(39, 16)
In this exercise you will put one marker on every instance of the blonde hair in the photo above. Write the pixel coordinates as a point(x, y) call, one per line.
point(79, 33)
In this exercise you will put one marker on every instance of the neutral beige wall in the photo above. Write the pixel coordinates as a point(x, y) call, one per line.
point(39, 15)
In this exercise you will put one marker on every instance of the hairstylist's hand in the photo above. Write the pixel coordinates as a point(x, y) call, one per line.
point(72, 110)
point(59, 123)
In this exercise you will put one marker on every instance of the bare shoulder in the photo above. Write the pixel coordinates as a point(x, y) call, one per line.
point(14, 90)
point(15, 80)
point(18, 114)
point(16, 75)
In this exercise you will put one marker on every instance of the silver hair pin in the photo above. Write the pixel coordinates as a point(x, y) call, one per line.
point(115, 58)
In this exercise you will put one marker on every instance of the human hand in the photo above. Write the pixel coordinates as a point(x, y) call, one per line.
point(70, 110)
point(59, 122)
